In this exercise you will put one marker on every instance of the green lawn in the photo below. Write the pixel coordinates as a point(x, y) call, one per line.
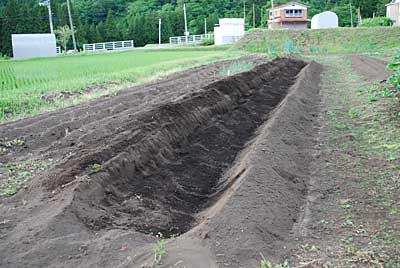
point(26, 85)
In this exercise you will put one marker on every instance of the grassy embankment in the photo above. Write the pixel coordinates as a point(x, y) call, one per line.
point(341, 40)
point(33, 86)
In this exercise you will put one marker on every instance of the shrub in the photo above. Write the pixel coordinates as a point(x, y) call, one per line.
point(4, 57)
point(207, 42)
point(376, 22)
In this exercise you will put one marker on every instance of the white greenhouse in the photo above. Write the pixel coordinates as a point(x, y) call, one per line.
point(26, 46)
point(229, 31)
point(325, 20)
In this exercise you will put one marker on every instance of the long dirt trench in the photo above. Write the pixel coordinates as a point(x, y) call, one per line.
point(220, 172)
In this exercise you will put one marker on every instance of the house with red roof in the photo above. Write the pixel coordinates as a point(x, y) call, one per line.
point(292, 15)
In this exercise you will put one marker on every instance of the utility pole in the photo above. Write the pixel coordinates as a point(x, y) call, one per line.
point(244, 11)
point(262, 18)
point(186, 28)
point(47, 4)
point(159, 33)
point(272, 3)
point(72, 26)
point(351, 16)
point(205, 26)
point(254, 15)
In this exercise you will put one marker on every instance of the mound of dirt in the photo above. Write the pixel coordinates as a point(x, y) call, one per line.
point(225, 164)
point(370, 68)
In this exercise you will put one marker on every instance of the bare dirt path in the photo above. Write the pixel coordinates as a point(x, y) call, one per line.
point(371, 69)
point(351, 217)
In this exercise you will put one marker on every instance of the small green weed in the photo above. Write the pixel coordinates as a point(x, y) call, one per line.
point(9, 144)
point(354, 113)
point(346, 204)
point(159, 251)
point(18, 174)
point(96, 167)
point(268, 264)
point(372, 97)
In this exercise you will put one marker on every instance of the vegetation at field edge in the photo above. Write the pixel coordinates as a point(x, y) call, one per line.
point(341, 40)
point(394, 80)
point(360, 143)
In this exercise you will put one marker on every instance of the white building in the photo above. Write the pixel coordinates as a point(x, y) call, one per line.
point(393, 11)
point(325, 20)
point(26, 46)
point(229, 31)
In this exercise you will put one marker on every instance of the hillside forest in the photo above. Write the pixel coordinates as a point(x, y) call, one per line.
point(114, 20)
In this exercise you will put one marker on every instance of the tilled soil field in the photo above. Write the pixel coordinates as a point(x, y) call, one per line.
point(216, 165)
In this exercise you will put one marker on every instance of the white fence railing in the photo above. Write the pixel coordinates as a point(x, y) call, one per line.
point(190, 39)
point(58, 49)
point(118, 45)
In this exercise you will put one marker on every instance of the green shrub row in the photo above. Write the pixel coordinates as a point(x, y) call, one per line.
point(376, 22)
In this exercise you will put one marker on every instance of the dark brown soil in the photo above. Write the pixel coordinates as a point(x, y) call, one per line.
point(222, 161)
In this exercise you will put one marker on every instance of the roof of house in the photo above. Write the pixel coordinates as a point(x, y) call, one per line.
point(291, 3)
point(394, 2)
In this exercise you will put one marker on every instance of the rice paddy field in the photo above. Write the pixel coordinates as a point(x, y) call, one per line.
point(32, 86)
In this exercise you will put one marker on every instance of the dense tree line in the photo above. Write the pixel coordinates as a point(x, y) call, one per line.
point(112, 20)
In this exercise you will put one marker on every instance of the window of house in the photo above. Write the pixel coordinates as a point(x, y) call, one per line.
point(293, 13)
